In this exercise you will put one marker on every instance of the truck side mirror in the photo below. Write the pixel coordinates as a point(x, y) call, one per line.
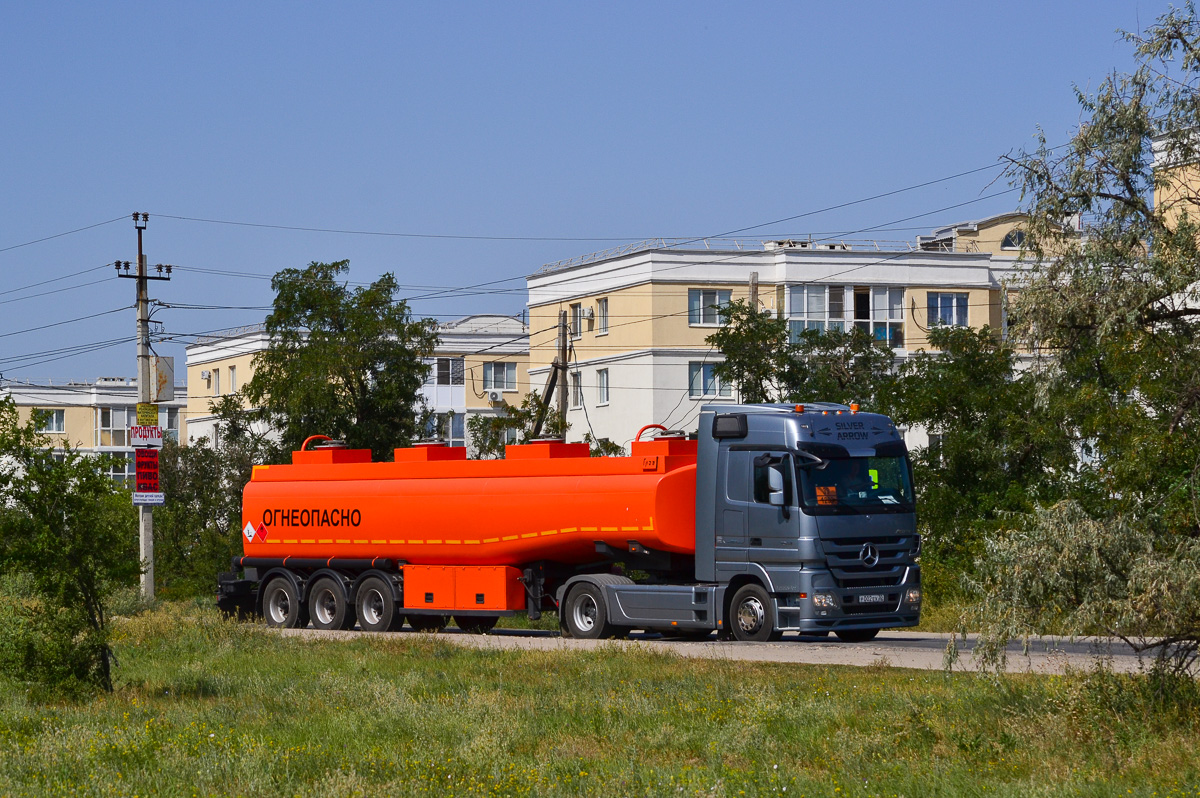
point(774, 487)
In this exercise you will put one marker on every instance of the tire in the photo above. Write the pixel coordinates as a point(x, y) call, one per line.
point(476, 624)
point(428, 623)
point(856, 635)
point(376, 606)
point(329, 606)
point(585, 615)
point(751, 615)
point(282, 607)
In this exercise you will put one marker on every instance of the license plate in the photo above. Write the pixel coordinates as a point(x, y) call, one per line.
point(872, 598)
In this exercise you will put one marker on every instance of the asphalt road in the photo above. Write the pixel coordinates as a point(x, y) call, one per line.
point(921, 650)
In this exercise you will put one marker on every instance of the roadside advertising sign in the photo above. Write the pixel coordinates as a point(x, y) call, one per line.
point(146, 465)
point(147, 414)
point(148, 499)
point(148, 437)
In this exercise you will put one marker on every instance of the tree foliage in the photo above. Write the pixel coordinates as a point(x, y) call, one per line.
point(490, 433)
point(68, 539)
point(198, 529)
point(1113, 315)
point(342, 362)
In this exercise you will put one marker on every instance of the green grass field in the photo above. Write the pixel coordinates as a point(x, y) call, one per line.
point(208, 707)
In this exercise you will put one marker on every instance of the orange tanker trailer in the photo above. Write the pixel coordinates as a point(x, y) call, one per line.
point(759, 518)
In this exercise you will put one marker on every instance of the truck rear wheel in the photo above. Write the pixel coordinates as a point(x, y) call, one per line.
point(282, 607)
point(428, 623)
point(856, 635)
point(585, 614)
point(751, 615)
point(329, 606)
point(476, 624)
point(376, 606)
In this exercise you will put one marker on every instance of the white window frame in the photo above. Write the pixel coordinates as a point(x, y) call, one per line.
point(887, 315)
point(602, 393)
point(959, 305)
point(704, 306)
point(233, 379)
point(500, 376)
point(576, 389)
point(812, 307)
point(702, 377)
point(602, 316)
point(216, 376)
point(54, 420)
point(118, 436)
point(575, 320)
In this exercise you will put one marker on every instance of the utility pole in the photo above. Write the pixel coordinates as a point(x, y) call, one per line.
point(145, 512)
point(754, 291)
point(557, 377)
point(562, 385)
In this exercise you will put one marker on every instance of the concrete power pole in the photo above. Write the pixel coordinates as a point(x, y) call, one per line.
point(145, 512)
point(754, 290)
point(562, 360)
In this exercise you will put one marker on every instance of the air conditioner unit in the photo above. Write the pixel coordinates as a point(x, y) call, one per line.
point(206, 375)
point(494, 396)
point(589, 313)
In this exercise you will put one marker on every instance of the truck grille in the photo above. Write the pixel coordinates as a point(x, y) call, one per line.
point(844, 558)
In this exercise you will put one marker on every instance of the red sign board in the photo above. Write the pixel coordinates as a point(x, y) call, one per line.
point(146, 464)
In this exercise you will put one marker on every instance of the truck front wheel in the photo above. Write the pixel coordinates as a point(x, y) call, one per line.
point(586, 616)
point(752, 615)
point(282, 607)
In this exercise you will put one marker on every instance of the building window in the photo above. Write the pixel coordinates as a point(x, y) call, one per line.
point(500, 376)
point(602, 386)
point(704, 305)
point(577, 320)
point(233, 379)
point(510, 436)
point(887, 316)
point(449, 371)
point(458, 430)
point(121, 468)
point(1014, 240)
point(216, 382)
point(703, 381)
point(168, 420)
point(602, 316)
point(576, 390)
point(948, 309)
point(817, 307)
point(114, 425)
point(52, 420)
point(449, 427)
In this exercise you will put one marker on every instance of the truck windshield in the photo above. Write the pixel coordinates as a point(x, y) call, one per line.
point(851, 485)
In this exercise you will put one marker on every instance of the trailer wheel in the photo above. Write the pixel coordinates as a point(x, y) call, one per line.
point(329, 606)
point(428, 623)
point(282, 607)
point(376, 607)
point(751, 616)
point(586, 616)
point(856, 635)
point(476, 624)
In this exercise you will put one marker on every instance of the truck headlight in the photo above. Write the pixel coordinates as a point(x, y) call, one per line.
point(824, 600)
point(913, 596)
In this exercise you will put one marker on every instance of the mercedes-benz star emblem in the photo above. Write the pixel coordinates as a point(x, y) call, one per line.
point(869, 555)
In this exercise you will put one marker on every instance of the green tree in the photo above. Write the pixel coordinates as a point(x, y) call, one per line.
point(67, 541)
point(198, 529)
point(766, 365)
point(1114, 314)
point(342, 362)
point(997, 447)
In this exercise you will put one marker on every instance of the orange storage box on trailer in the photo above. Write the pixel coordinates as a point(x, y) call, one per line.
point(463, 587)
point(547, 502)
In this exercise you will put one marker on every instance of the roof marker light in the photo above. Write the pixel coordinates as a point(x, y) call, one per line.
point(824, 412)
point(853, 407)
point(799, 408)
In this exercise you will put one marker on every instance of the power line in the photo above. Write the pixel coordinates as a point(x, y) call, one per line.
point(55, 279)
point(41, 327)
point(60, 235)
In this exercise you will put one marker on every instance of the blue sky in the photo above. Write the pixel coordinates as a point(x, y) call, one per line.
point(582, 124)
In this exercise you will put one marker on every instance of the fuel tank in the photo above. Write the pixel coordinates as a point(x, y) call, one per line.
point(547, 501)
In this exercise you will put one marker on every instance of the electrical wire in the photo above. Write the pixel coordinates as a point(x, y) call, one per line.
point(60, 235)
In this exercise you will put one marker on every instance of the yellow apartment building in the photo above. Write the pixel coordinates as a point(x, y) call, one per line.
point(95, 416)
point(480, 362)
point(638, 315)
